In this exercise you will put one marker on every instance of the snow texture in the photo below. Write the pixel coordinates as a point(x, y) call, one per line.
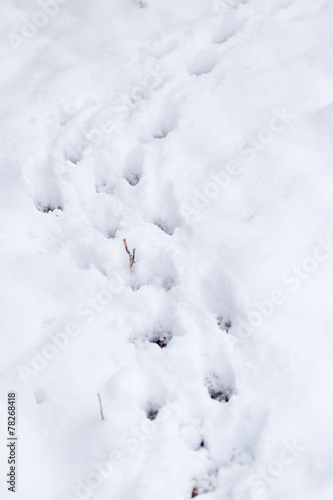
point(201, 132)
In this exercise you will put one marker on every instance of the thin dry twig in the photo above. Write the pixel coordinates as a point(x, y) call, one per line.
point(195, 492)
point(100, 406)
point(131, 256)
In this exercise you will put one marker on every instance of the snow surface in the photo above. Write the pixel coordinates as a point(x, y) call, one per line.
point(200, 131)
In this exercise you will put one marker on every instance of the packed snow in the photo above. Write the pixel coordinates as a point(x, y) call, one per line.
point(200, 132)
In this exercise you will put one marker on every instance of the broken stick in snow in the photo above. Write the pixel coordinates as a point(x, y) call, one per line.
point(130, 255)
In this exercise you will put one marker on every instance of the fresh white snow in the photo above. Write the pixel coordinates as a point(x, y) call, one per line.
point(200, 131)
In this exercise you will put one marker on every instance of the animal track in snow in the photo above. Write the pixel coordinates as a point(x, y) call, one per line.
point(133, 169)
point(205, 484)
point(49, 208)
point(132, 178)
point(104, 188)
point(168, 283)
point(203, 63)
point(73, 156)
point(152, 413)
point(161, 338)
point(224, 324)
point(220, 395)
point(40, 395)
point(162, 132)
point(217, 389)
point(159, 335)
point(111, 234)
point(164, 226)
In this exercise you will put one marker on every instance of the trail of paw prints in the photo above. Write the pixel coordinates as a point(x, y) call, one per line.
point(86, 128)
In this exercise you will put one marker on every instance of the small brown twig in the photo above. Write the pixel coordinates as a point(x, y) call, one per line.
point(130, 255)
point(100, 406)
point(195, 492)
